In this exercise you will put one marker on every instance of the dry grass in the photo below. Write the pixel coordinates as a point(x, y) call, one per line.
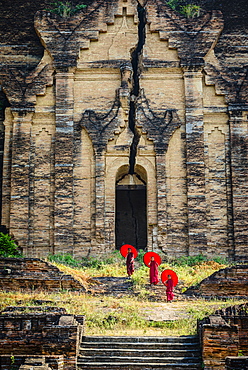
point(107, 315)
point(83, 277)
point(127, 315)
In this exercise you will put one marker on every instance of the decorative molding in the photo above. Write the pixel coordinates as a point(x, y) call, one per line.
point(193, 38)
point(159, 126)
point(21, 87)
point(231, 82)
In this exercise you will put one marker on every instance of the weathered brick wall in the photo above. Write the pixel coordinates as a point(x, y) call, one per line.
point(228, 282)
point(50, 334)
point(222, 335)
point(8, 362)
point(133, 89)
point(237, 363)
point(32, 274)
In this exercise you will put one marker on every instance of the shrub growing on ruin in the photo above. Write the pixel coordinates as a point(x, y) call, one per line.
point(188, 10)
point(8, 248)
point(65, 8)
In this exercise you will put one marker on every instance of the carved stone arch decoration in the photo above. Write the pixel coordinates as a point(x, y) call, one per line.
point(159, 126)
point(232, 82)
point(123, 177)
point(22, 87)
point(100, 126)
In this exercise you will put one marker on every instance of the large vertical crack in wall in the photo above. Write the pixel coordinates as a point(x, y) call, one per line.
point(136, 60)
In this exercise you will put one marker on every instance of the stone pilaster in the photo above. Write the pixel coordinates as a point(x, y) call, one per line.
point(6, 181)
point(64, 136)
point(239, 178)
point(161, 195)
point(100, 198)
point(20, 198)
point(195, 158)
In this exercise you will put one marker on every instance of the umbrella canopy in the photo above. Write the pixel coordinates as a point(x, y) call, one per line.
point(148, 255)
point(174, 277)
point(124, 250)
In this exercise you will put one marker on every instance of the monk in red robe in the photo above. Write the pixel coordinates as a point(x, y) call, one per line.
point(153, 271)
point(130, 262)
point(169, 289)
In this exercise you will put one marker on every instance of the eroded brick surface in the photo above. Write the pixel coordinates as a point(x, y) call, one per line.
point(229, 282)
point(223, 337)
point(30, 274)
point(127, 89)
point(49, 338)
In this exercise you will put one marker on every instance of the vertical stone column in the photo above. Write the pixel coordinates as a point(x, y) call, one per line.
point(20, 199)
point(6, 182)
point(195, 158)
point(237, 213)
point(100, 197)
point(161, 196)
point(64, 137)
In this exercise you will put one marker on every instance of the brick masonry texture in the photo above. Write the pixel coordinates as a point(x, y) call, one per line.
point(226, 283)
point(223, 337)
point(126, 88)
point(51, 334)
point(29, 274)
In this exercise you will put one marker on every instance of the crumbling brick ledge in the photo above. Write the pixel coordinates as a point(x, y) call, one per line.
point(230, 282)
point(224, 335)
point(31, 274)
point(40, 331)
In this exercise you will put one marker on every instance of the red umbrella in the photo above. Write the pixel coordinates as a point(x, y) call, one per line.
point(164, 276)
point(148, 255)
point(124, 250)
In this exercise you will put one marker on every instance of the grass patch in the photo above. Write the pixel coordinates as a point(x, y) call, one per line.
point(121, 316)
point(126, 315)
point(190, 270)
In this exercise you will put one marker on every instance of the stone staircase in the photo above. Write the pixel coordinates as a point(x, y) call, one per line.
point(143, 353)
point(122, 286)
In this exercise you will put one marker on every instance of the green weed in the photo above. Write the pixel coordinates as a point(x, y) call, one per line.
point(8, 247)
point(65, 8)
point(65, 259)
point(187, 10)
point(190, 11)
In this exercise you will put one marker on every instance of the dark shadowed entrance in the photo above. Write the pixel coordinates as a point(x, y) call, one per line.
point(131, 218)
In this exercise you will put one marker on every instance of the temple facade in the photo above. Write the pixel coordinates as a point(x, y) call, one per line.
point(132, 128)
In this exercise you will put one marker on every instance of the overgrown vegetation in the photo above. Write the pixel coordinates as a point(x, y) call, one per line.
point(8, 248)
point(190, 270)
point(128, 314)
point(185, 8)
point(120, 316)
point(65, 8)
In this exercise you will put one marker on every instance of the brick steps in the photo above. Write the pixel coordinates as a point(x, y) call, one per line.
point(139, 353)
point(144, 366)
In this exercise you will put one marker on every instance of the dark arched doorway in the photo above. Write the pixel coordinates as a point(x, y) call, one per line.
point(131, 212)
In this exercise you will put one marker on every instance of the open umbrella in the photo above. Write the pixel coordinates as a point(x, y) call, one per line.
point(174, 277)
point(148, 255)
point(124, 250)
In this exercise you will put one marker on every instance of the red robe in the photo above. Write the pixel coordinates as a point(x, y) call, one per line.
point(153, 272)
point(169, 289)
point(130, 263)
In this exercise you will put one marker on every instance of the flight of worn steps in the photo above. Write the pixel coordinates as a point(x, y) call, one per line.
point(140, 353)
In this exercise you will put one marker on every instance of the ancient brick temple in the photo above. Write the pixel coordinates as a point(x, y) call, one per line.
point(132, 128)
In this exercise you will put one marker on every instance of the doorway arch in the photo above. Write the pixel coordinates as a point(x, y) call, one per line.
point(131, 208)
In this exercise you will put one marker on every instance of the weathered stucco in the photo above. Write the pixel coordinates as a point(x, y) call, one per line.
point(127, 95)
